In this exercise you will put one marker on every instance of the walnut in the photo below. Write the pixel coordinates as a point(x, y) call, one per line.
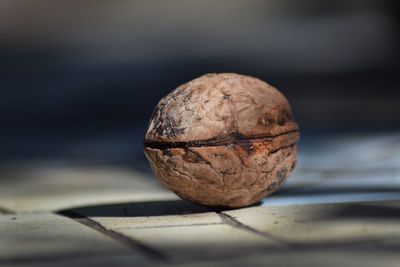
point(222, 140)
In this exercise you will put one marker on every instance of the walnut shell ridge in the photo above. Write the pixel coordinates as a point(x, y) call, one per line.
point(222, 140)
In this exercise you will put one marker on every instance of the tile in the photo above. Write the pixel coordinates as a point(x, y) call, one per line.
point(208, 218)
point(49, 188)
point(298, 180)
point(341, 187)
point(313, 196)
point(149, 214)
point(310, 258)
point(86, 261)
point(351, 151)
point(178, 229)
point(347, 162)
point(324, 225)
point(200, 242)
point(31, 237)
point(343, 169)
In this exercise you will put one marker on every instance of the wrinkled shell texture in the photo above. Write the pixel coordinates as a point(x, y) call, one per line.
point(224, 140)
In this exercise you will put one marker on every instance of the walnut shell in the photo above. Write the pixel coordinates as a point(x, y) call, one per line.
point(224, 140)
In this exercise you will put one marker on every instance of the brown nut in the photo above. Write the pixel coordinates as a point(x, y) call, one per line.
point(224, 140)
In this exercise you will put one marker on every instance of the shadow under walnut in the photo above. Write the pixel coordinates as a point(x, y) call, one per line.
point(222, 140)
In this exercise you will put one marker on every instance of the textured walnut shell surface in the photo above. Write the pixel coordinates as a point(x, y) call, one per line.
point(216, 105)
point(222, 140)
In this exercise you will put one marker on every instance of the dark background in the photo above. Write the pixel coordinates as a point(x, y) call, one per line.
point(79, 79)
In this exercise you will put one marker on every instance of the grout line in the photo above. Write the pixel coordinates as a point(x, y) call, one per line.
point(132, 243)
point(6, 211)
point(229, 220)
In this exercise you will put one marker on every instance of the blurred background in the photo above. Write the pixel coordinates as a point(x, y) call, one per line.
point(79, 79)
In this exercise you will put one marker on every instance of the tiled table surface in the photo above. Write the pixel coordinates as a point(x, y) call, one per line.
point(340, 208)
